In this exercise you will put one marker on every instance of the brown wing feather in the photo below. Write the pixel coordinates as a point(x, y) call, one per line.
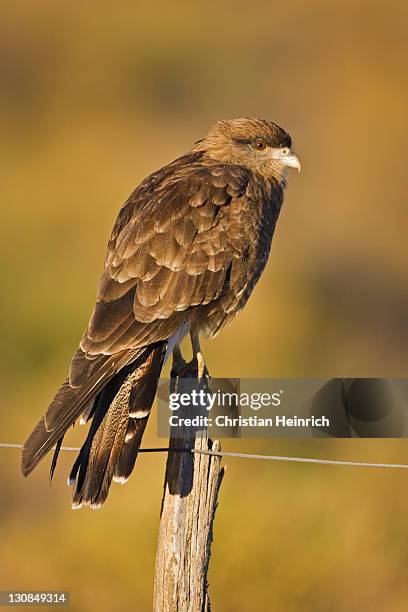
point(66, 407)
point(170, 250)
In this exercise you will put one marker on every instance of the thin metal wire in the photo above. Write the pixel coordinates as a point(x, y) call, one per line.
point(363, 464)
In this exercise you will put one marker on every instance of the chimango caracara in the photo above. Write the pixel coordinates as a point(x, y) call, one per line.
point(185, 253)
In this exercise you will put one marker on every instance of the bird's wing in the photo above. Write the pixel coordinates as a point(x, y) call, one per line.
point(171, 249)
point(174, 246)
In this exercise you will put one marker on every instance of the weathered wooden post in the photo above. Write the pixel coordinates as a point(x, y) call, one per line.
point(191, 487)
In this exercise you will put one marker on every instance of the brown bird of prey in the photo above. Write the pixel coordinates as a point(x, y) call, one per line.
point(185, 253)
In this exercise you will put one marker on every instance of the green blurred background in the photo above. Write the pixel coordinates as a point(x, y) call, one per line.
point(93, 97)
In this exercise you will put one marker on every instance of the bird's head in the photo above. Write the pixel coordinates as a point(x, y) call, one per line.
point(260, 145)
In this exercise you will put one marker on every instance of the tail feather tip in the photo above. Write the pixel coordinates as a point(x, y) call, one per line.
point(26, 467)
point(120, 479)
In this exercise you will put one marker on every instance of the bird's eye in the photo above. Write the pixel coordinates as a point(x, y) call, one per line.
point(260, 145)
point(285, 151)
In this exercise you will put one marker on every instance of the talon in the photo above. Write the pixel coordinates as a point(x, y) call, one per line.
point(201, 367)
point(191, 369)
point(202, 371)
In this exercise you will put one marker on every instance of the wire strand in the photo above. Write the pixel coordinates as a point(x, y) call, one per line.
point(363, 464)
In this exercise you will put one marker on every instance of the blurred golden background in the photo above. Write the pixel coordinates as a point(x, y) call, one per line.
point(93, 97)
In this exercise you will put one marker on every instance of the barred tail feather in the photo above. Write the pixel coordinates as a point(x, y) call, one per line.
point(127, 458)
point(114, 438)
point(68, 403)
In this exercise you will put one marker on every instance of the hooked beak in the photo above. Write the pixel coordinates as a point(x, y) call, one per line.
point(292, 161)
point(287, 158)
